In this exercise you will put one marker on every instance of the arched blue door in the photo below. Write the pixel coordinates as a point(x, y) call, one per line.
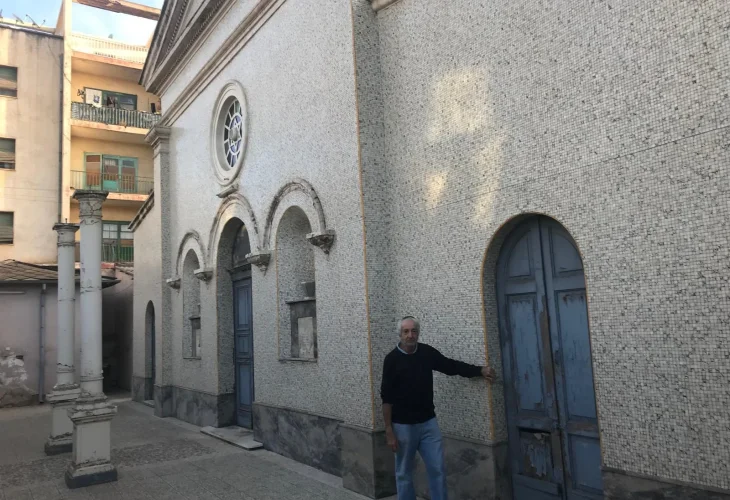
point(551, 409)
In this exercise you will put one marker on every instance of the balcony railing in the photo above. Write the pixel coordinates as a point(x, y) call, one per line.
point(113, 116)
point(114, 183)
point(112, 252)
point(106, 47)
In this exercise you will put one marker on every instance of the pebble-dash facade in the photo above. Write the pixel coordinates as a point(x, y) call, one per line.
point(543, 184)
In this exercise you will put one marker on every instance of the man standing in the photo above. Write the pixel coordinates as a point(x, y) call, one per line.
point(408, 410)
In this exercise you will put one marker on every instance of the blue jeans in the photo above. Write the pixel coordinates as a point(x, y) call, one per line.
point(424, 438)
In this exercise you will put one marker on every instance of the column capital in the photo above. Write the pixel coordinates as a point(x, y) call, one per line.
point(90, 202)
point(159, 138)
point(66, 233)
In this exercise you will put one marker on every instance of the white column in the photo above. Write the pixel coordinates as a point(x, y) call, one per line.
point(92, 414)
point(66, 391)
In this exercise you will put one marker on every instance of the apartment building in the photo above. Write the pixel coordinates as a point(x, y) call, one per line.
point(82, 130)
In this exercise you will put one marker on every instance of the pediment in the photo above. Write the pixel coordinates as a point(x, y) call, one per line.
point(181, 23)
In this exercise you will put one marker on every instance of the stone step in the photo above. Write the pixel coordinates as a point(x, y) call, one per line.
point(237, 436)
point(149, 402)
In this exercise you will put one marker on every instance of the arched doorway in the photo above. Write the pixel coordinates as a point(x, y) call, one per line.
point(242, 329)
point(235, 323)
point(552, 421)
point(150, 351)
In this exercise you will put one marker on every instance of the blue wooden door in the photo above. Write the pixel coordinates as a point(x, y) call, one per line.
point(551, 410)
point(243, 331)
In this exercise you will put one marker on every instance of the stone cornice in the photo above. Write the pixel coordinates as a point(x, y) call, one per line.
point(173, 49)
point(143, 211)
point(245, 30)
point(381, 4)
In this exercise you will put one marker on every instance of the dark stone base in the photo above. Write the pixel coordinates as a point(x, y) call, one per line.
point(82, 481)
point(310, 439)
point(142, 389)
point(474, 471)
point(619, 485)
point(368, 465)
point(57, 449)
point(163, 401)
point(198, 408)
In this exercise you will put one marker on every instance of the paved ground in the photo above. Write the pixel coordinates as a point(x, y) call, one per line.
point(156, 459)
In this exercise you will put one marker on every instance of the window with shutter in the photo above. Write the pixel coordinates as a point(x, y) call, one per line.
point(7, 154)
point(6, 228)
point(8, 81)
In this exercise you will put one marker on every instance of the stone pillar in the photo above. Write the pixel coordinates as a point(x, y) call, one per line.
point(92, 414)
point(159, 138)
point(66, 391)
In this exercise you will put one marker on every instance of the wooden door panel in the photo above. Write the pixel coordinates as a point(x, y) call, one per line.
point(535, 449)
point(243, 356)
point(527, 369)
point(570, 339)
point(552, 421)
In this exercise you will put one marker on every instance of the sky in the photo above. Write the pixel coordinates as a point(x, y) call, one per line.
point(87, 20)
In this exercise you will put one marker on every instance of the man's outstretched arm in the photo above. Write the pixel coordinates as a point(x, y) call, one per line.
point(449, 366)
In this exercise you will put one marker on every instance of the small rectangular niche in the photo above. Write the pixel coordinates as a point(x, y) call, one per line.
point(303, 314)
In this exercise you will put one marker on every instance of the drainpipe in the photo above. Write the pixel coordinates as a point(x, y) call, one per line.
point(60, 150)
point(42, 349)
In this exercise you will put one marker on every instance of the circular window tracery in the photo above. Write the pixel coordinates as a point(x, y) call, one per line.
point(233, 133)
point(229, 133)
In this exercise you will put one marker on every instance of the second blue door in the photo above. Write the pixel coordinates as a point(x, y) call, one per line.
point(552, 423)
point(243, 362)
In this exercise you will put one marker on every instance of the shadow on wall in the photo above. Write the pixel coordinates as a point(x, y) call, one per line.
point(117, 331)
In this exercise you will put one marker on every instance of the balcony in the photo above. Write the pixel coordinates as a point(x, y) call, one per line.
point(121, 187)
point(112, 252)
point(113, 116)
point(109, 49)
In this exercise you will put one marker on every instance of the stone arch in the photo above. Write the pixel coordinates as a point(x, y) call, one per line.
point(298, 193)
point(534, 267)
point(237, 207)
point(191, 241)
point(224, 301)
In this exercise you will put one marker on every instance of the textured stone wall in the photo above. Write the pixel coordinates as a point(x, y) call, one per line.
point(319, 145)
point(611, 118)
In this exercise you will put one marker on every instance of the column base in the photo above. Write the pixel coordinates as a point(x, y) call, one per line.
point(62, 398)
point(91, 464)
point(88, 475)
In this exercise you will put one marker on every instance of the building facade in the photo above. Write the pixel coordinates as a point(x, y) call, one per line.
point(30, 131)
point(542, 185)
point(96, 115)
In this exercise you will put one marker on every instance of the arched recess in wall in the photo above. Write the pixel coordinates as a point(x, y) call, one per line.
point(298, 193)
point(191, 241)
point(538, 335)
point(149, 340)
point(234, 240)
point(191, 320)
point(295, 271)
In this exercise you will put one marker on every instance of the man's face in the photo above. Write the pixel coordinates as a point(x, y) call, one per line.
point(409, 333)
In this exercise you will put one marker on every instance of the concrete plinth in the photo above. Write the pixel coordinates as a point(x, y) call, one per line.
point(91, 464)
point(62, 399)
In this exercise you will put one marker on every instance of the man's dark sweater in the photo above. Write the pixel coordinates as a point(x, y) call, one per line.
point(408, 381)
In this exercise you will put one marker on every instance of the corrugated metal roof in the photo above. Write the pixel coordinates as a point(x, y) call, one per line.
point(12, 270)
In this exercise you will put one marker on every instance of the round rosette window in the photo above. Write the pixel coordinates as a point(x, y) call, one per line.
point(229, 133)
